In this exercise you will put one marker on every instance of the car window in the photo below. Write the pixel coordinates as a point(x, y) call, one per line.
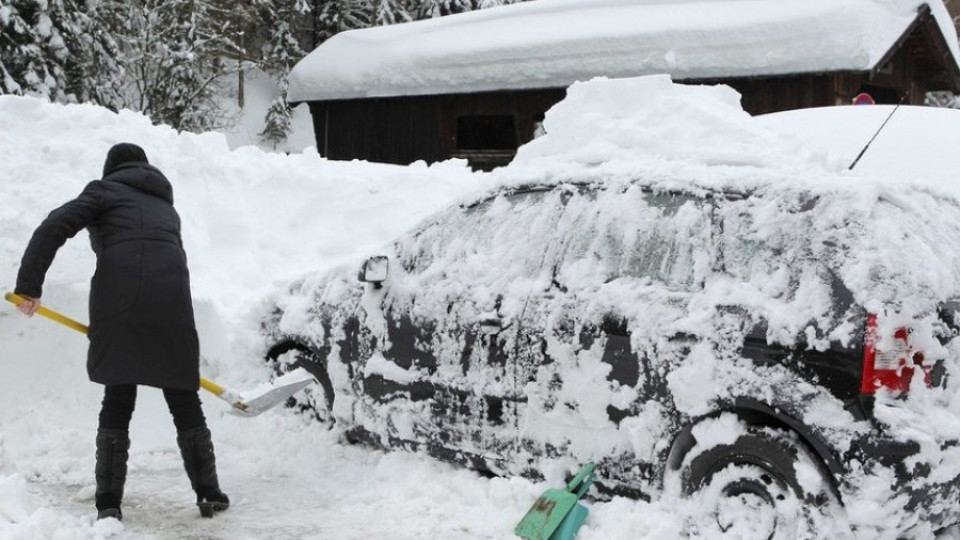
point(762, 239)
point(634, 233)
point(745, 252)
point(788, 247)
point(500, 238)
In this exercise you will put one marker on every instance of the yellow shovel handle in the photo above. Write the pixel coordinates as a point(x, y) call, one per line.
point(211, 387)
point(16, 300)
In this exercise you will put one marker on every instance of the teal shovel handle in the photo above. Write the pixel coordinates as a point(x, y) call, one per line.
point(583, 478)
point(585, 485)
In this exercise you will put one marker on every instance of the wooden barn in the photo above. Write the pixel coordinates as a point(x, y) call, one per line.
point(477, 85)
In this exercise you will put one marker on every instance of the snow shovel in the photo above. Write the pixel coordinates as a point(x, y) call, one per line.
point(249, 406)
point(556, 514)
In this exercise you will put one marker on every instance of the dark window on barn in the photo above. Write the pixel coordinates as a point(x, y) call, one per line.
point(486, 132)
point(883, 95)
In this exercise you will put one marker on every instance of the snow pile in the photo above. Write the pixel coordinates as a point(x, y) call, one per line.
point(14, 499)
point(618, 127)
point(553, 43)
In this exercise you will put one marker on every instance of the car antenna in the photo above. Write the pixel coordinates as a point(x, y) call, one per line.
point(864, 151)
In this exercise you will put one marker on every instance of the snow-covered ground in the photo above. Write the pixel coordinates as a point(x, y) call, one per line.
point(251, 220)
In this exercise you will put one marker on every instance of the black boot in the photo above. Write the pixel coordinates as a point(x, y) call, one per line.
point(196, 447)
point(113, 447)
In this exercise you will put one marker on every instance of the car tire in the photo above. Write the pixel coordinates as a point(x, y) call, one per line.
point(316, 400)
point(752, 488)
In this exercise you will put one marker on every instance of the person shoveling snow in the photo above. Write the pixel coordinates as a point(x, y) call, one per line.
point(142, 329)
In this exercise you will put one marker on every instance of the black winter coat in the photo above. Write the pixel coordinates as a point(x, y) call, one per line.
point(142, 329)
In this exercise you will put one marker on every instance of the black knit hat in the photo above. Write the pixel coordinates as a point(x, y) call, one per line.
point(123, 153)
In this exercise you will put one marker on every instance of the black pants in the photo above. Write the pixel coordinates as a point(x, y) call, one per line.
point(119, 401)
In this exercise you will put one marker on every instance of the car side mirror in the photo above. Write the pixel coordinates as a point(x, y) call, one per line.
point(374, 270)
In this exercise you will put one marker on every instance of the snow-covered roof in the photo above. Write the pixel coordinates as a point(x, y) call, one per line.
point(553, 43)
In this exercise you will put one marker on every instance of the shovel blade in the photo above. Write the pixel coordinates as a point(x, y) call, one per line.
point(264, 400)
point(546, 514)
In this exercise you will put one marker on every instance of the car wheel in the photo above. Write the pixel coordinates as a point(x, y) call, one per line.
point(316, 400)
point(765, 485)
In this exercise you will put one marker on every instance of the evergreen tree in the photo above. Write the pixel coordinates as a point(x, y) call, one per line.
point(95, 74)
point(387, 12)
point(428, 9)
point(277, 121)
point(483, 4)
point(280, 52)
point(281, 49)
point(355, 14)
point(333, 16)
point(59, 49)
point(325, 21)
point(33, 53)
point(437, 8)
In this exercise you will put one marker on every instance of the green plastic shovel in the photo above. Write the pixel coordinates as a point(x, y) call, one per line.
point(556, 514)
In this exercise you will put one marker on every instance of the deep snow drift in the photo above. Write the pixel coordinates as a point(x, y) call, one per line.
point(251, 220)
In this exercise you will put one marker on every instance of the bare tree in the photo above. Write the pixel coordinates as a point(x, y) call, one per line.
point(172, 53)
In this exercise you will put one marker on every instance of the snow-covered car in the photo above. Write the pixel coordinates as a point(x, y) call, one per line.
point(608, 321)
point(774, 340)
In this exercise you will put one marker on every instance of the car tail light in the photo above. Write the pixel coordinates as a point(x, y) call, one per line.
point(892, 365)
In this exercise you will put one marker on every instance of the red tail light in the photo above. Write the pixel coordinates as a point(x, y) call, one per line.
point(892, 366)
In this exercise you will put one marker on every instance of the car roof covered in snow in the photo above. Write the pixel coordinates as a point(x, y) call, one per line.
point(917, 143)
point(552, 43)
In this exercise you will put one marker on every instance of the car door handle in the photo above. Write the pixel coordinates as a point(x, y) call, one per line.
point(683, 338)
point(491, 325)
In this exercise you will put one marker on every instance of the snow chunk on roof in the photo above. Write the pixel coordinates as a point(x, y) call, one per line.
point(619, 127)
point(553, 43)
